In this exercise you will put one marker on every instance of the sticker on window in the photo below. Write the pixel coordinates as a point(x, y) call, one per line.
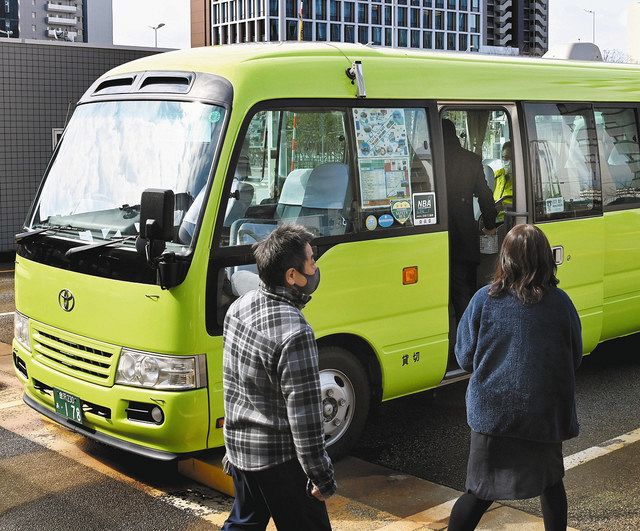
point(553, 205)
point(401, 211)
point(371, 223)
point(383, 156)
point(424, 208)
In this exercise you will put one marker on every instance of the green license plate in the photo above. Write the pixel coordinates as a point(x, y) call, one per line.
point(67, 405)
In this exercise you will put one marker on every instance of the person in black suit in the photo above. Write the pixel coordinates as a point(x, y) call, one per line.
point(465, 179)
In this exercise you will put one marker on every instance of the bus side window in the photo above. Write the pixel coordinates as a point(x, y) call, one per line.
point(562, 145)
point(294, 167)
point(617, 129)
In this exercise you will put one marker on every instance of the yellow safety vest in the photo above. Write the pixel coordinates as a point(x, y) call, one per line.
point(503, 188)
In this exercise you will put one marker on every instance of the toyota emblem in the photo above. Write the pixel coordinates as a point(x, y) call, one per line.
point(67, 300)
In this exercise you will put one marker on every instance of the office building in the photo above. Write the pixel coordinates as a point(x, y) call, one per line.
point(430, 24)
point(518, 24)
point(200, 23)
point(89, 21)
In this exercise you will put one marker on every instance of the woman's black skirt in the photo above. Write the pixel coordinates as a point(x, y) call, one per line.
point(504, 468)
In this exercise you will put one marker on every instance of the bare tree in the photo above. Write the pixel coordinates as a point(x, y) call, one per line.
point(616, 56)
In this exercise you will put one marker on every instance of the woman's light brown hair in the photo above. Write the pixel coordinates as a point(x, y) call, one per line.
point(525, 266)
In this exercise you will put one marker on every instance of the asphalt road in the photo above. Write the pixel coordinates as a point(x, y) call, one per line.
point(426, 435)
point(423, 435)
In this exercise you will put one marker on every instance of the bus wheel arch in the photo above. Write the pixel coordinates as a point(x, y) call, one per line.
point(350, 380)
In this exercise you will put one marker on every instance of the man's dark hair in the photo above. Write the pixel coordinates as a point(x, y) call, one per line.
point(283, 249)
point(507, 145)
point(449, 135)
point(525, 266)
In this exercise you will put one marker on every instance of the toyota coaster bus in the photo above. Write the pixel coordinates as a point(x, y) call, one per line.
point(172, 166)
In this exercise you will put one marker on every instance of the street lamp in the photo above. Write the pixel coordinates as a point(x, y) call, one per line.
point(155, 30)
point(8, 33)
point(593, 14)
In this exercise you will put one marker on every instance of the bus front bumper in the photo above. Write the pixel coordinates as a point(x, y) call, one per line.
point(107, 415)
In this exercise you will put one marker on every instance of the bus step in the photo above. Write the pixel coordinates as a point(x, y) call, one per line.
point(454, 376)
point(207, 470)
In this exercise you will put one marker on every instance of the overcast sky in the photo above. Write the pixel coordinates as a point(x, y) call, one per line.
point(568, 22)
point(132, 18)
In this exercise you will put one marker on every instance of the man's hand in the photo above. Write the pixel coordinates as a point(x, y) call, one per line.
point(315, 492)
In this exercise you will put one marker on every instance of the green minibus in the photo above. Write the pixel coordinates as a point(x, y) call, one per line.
point(172, 166)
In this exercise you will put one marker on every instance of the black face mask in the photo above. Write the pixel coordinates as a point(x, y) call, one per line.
point(312, 282)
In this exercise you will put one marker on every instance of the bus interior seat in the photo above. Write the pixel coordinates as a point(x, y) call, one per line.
point(293, 190)
point(182, 203)
point(244, 280)
point(239, 202)
point(327, 198)
point(318, 198)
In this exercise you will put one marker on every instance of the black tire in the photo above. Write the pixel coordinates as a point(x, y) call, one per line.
point(335, 362)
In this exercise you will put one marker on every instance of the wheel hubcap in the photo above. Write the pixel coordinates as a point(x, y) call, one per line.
point(338, 403)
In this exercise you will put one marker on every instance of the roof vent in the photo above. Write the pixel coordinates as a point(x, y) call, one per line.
point(576, 51)
point(166, 83)
point(115, 85)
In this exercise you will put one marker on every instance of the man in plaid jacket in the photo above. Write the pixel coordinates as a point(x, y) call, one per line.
point(273, 422)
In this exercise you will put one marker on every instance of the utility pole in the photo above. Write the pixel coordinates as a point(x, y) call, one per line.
point(593, 15)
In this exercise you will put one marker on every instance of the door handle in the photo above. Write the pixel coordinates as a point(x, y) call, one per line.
point(558, 254)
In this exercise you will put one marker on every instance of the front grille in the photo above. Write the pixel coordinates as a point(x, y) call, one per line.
point(80, 357)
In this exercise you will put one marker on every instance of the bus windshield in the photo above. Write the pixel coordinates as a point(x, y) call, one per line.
point(112, 151)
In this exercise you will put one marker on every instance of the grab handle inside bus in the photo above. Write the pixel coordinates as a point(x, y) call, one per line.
point(525, 215)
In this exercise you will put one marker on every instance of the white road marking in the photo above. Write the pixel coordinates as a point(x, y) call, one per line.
point(6, 314)
point(604, 448)
point(13, 403)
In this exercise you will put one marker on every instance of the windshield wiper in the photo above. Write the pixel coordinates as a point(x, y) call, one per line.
point(31, 234)
point(90, 246)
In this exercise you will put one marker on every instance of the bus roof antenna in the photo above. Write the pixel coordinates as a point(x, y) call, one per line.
point(356, 75)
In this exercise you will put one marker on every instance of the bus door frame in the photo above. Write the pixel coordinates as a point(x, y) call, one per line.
point(521, 201)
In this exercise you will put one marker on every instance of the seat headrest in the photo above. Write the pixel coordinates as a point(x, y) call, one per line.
point(327, 187)
point(294, 187)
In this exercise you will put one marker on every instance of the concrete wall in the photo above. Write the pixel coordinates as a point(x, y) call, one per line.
point(41, 83)
point(98, 22)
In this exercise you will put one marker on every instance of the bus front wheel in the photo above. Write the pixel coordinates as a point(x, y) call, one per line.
point(345, 399)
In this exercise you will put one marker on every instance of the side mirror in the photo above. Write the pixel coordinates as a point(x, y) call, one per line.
point(156, 222)
point(157, 228)
point(156, 214)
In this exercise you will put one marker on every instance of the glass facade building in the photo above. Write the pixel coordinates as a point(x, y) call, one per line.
point(9, 19)
point(429, 24)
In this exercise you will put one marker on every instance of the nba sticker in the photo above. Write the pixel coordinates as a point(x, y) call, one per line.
point(424, 208)
point(401, 210)
point(371, 223)
point(386, 220)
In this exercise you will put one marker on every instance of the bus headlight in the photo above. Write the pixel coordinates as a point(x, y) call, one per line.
point(159, 371)
point(21, 330)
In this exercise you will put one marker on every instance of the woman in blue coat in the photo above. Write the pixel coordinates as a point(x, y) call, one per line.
point(520, 337)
